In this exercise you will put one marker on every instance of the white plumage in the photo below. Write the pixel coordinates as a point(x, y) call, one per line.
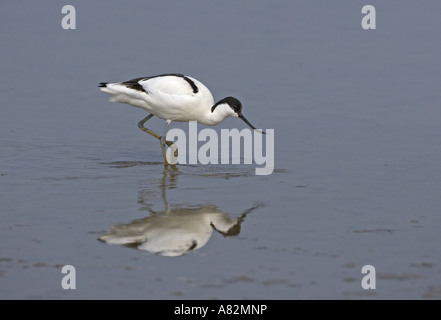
point(173, 97)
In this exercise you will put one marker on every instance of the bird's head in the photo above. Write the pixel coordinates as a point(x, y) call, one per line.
point(232, 107)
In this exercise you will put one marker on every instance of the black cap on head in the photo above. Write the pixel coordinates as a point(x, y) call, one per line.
point(232, 102)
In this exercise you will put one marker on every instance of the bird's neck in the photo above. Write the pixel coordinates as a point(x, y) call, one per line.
point(219, 114)
point(214, 118)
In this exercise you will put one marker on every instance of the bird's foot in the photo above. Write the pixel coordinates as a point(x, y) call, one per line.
point(173, 152)
point(173, 147)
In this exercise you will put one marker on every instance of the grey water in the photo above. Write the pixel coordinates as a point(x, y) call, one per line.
point(357, 140)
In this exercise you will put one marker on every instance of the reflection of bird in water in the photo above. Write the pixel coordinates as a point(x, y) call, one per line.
point(175, 232)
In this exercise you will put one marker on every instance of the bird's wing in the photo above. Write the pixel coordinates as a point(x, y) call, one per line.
point(175, 84)
point(166, 96)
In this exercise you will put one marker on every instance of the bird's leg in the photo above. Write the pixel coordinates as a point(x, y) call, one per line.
point(141, 126)
point(174, 149)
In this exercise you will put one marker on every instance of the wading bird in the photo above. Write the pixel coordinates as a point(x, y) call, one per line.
point(173, 97)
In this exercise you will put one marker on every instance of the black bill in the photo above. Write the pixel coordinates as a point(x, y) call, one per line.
point(249, 124)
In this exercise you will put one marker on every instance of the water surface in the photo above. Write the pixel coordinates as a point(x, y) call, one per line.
point(357, 148)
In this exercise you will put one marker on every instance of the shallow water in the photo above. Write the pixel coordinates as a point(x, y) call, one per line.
point(357, 149)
